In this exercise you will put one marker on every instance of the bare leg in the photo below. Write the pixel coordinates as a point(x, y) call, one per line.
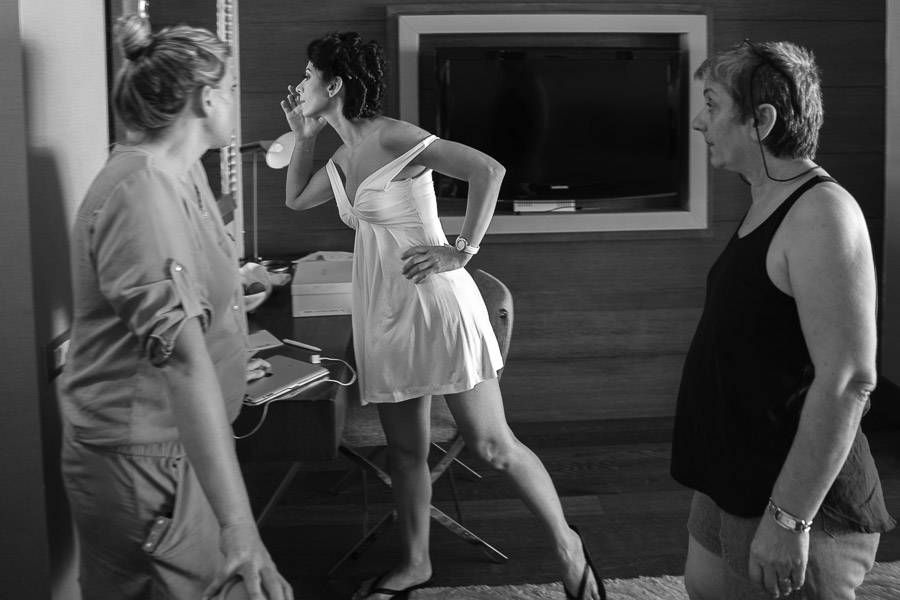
point(482, 422)
point(406, 427)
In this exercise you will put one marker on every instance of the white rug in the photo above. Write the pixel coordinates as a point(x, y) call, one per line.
point(883, 583)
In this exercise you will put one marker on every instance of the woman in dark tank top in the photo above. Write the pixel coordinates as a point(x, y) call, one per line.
point(779, 371)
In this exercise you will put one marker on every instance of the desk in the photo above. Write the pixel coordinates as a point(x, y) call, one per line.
point(308, 426)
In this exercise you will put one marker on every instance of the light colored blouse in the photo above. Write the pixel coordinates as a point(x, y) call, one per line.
point(149, 252)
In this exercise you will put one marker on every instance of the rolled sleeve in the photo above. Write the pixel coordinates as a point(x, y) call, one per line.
point(146, 254)
point(177, 305)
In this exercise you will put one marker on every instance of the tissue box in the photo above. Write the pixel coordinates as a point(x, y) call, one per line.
point(321, 287)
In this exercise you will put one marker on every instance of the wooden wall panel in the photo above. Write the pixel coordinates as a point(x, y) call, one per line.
point(830, 41)
point(277, 11)
point(602, 320)
point(591, 388)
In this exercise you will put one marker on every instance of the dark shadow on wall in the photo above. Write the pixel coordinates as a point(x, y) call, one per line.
point(52, 307)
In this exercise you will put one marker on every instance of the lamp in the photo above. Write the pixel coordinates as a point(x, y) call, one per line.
point(278, 155)
point(281, 150)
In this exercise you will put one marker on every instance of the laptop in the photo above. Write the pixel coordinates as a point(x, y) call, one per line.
point(286, 375)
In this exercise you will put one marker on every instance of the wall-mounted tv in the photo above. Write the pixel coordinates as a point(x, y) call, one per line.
point(599, 125)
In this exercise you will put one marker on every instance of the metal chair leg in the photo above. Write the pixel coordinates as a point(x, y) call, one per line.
point(438, 469)
point(364, 543)
point(279, 492)
point(462, 532)
point(468, 469)
point(456, 527)
point(356, 468)
point(452, 477)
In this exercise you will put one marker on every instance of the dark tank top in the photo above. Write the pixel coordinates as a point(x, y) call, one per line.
point(743, 385)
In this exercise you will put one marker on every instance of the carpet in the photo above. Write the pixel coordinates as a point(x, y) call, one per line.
point(883, 583)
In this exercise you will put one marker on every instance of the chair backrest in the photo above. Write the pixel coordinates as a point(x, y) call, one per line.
point(499, 302)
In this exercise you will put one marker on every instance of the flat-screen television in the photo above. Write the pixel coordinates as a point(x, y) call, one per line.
point(591, 124)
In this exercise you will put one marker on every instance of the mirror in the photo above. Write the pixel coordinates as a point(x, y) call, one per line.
point(219, 16)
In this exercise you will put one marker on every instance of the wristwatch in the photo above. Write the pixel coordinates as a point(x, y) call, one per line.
point(463, 245)
point(788, 521)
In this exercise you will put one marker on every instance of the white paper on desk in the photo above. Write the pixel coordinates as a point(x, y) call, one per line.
point(326, 255)
point(262, 340)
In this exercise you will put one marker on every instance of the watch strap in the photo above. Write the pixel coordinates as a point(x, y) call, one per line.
point(463, 245)
point(786, 520)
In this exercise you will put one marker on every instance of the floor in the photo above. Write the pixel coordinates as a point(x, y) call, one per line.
point(612, 476)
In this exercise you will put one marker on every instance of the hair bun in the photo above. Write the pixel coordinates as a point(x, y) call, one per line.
point(134, 36)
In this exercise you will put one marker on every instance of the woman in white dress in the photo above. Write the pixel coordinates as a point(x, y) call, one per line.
point(420, 326)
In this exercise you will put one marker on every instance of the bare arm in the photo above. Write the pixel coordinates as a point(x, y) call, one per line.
point(204, 431)
point(484, 175)
point(304, 189)
point(831, 276)
point(832, 279)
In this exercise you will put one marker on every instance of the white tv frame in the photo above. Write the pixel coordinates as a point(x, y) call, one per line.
point(692, 30)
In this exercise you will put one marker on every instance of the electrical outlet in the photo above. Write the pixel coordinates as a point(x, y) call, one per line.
point(56, 355)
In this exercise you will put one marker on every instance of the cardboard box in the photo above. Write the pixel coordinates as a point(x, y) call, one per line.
point(321, 287)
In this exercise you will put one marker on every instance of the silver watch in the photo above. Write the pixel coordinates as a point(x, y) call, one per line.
point(463, 245)
point(786, 520)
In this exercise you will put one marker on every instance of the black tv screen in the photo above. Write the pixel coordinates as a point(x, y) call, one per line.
point(567, 122)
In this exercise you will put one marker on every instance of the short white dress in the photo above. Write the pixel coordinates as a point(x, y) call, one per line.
point(410, 340)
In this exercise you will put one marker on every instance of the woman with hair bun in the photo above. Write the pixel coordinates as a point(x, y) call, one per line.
point(420, 326)
point(157, 363)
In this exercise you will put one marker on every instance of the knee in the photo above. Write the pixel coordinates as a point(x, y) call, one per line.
point(498, 453)
point(406, 457)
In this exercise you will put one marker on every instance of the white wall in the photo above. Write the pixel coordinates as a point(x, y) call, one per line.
point(890, 306)
point(55, 136)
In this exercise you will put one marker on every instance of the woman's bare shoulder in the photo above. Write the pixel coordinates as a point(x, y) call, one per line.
point(399, 136)
point(826, 207)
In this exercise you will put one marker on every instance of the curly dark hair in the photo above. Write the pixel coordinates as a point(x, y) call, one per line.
point(361, 65)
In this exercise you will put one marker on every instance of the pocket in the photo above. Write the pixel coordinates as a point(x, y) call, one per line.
point(192, 519)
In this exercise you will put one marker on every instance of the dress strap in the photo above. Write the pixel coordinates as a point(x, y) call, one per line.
point(337, 186)
point(390, 170)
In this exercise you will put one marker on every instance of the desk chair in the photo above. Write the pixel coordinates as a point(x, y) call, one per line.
point(363, 430)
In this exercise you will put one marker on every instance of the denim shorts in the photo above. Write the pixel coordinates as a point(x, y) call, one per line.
point(145, 528)
point(839, 557)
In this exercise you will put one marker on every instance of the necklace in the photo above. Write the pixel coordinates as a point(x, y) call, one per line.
point(809, 170)
point(766, 166)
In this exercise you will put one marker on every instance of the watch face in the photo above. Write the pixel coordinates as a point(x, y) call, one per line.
point(461, 244)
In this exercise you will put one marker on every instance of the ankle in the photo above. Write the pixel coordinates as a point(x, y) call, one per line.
point(420, 566)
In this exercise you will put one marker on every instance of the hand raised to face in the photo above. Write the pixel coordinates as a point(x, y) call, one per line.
point(302, 126)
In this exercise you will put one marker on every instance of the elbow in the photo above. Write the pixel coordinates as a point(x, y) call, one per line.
point(854, 383)
point(495, 172)
point(861, 384)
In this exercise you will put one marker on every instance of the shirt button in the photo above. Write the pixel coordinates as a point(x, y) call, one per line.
point(235, 307)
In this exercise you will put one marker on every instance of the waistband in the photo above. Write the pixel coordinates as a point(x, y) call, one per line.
point(171, 449)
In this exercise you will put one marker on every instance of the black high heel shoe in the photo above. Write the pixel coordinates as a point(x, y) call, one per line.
point(589, 569)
